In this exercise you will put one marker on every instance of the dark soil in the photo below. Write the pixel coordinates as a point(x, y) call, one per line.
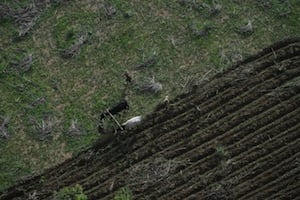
point(234, 137)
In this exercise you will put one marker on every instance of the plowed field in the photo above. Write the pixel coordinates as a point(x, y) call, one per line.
point(236, 136)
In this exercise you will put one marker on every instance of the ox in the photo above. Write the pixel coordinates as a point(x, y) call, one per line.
point(133, 122)
point(122, 105)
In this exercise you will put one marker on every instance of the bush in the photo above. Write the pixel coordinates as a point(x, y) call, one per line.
point(71, 193)
point(123, 194)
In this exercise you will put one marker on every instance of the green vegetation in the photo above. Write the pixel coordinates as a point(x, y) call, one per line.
point(123, 194)
point(71, 193)
point(221, 152)
point(43, 102)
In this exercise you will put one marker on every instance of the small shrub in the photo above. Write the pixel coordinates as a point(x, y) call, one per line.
point(71, 193)
point(123, 194)
point(150, 86)
point(222, 153)
point(44, 128)
point(201, 30)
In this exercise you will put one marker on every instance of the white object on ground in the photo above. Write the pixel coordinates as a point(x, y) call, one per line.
point(133, 122)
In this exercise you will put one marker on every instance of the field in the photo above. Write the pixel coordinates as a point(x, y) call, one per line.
point(235, 136)
point(63, 62)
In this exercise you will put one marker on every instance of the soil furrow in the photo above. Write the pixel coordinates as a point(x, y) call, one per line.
point(72, 175)
point(266, 152)
point(225, 167)
point(206, 135)
point(277, 184)
point(251, 141)
point(231, 159)
point(266, 176)
point(223, 111)
point(196, 125)
point(224, 189)
point(264, 161)
point(281, 108)
point(254, 168)
point(131, 159)
point(292, 191)
point(290, 103)
point(111, 172)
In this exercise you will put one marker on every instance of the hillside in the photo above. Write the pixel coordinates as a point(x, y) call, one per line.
point(233, 137)
point(63, 62)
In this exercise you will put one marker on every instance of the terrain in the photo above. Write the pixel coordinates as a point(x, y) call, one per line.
point(63, 62)
point(235, 136)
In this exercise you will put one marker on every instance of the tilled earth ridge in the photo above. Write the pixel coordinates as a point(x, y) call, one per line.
point(234, 137)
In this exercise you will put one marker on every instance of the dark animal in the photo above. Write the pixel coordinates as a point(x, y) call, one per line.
point(122, 105)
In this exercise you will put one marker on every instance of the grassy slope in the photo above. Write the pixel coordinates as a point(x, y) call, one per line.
point(79, 88)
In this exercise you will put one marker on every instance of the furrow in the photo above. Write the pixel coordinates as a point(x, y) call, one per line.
point(288, 103)
point(194, 126)
point(292, 191)
point(103, 180)
point(202, 162)
point(267, 151)
point(225, 168)
point(277, 184)
point(254, 168)
point(267, 176)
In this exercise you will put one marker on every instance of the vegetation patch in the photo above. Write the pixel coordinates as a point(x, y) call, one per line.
point(123, 194)
point(71, 193)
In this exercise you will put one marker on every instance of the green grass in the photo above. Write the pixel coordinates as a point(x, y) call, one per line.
point(123, 194)
point(81, 87)
point(71, 193)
